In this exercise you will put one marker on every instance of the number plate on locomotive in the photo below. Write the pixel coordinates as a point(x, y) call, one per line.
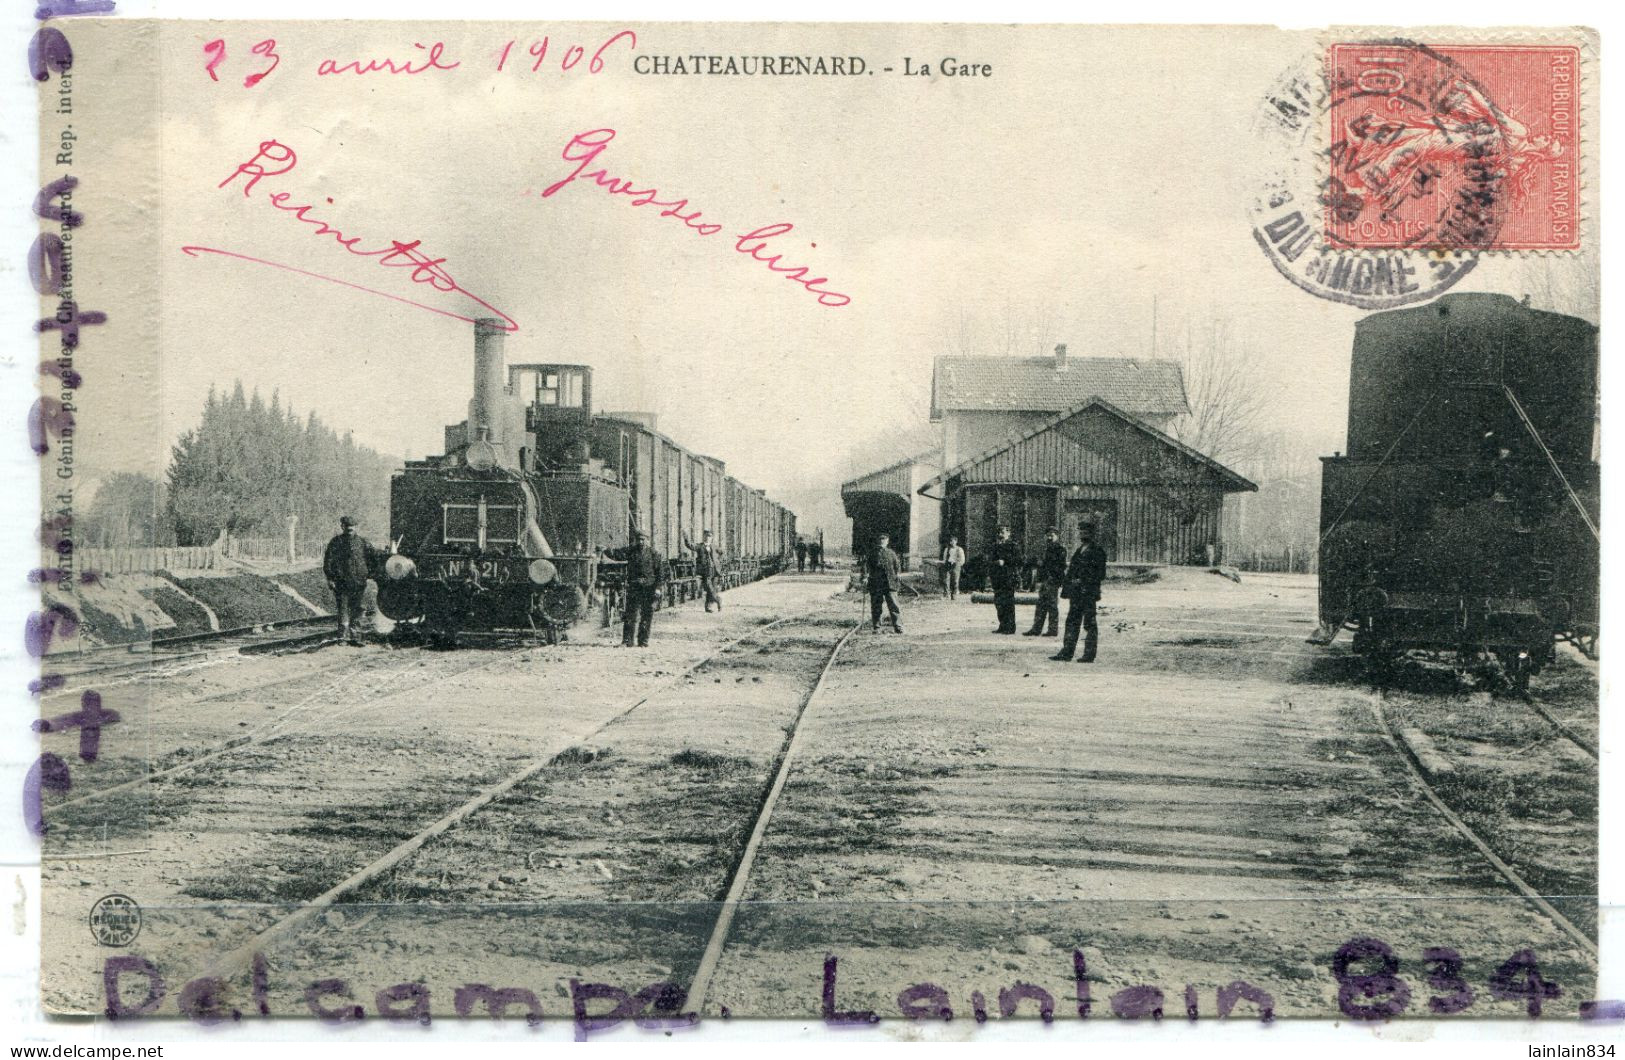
point(487, 572)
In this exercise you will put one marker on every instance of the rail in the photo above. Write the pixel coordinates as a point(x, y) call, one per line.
point(238, 959)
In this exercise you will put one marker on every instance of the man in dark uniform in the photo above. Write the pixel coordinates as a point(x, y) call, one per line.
point(801, 554)
point(708, 566)
point(1051, 573)
point(645, 575)
point(1084, 573)
point(345, 563)
point(883, 569)
point(1004, 566)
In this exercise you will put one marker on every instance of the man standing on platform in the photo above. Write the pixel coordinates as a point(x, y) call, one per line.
point(1051, 573)
point(346, 563)
point(953, 562)
point(645, 575)
point(708, 566)
point(1005, 569)
point(801, 555)
point(1084, 573)
point(884, 574)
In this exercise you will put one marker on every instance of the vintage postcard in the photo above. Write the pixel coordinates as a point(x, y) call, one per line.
point(623, 525)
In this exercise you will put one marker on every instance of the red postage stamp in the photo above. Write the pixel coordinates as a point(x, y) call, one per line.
point(1453, 147)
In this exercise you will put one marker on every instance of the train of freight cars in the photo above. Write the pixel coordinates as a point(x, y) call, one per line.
point(508, 529)
point(1464, 517)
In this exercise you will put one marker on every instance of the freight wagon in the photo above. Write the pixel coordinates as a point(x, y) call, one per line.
point(508, 528)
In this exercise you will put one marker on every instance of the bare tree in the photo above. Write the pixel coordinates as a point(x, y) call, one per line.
point(1019, 330)
point(1224, 386)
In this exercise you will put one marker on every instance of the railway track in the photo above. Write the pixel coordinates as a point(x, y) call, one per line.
point(305, 709)
point(118, 660)
point(238, 959)
point(1407, 755)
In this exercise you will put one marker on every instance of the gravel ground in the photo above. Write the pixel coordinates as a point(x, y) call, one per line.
point(1211, 802)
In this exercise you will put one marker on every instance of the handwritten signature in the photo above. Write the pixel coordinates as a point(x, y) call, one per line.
point(585, 147)
point(396, 254)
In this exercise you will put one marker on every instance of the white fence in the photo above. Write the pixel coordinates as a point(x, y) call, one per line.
point(132, 560)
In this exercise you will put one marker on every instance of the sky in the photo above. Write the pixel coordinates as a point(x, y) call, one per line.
point(1098, 178)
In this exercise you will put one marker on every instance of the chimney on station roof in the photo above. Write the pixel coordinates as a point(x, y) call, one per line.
point(1060, 357)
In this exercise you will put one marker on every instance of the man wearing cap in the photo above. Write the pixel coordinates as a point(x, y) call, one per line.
point(884, 570)
point(645, 575)
point(1084, 573)
point(1004, 571)
point(1051, 573)
point(345, 564)
point(708, 566)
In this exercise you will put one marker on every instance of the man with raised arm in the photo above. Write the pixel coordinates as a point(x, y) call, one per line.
point(346, 564)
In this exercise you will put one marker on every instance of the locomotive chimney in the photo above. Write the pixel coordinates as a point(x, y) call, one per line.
point(485, 410)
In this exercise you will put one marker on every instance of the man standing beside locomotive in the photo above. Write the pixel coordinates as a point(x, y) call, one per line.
point(645, 575)
point(345, 564)
point(708, 566)
point(884, 572)
point(1084, 573)
point(1005, 573)
point(1051, 573)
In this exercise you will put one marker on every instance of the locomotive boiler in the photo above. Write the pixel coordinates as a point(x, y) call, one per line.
point(507, 529)
point(1464, 517)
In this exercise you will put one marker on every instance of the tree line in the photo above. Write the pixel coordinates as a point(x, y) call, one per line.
point(243, 470)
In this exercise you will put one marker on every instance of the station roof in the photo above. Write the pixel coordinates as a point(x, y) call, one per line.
point(893, 478)
point(1233, 483)
point(1142, 387)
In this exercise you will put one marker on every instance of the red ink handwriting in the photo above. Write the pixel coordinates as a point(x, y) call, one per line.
point(390, 66)
point(585, 147)
point(798, 273)
point(267, 48)
point(396, 254)
point(216, 50)
point(572, 55)
point(589, 145)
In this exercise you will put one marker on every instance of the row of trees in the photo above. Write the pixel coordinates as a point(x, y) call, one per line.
point(246, 467)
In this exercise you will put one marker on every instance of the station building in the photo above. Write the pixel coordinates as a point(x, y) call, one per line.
point(1041, 442)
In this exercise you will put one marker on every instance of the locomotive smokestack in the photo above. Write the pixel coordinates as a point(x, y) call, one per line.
point(485, 410)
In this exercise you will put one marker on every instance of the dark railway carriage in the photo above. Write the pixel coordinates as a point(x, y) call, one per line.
point(1464, 517)
point(507, 529)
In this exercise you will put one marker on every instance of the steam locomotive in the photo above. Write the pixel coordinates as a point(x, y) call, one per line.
point(1464, 517)
point(507, 530)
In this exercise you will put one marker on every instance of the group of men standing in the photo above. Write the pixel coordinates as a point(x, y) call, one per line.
point(809, 555)
point(646, 576)
point(1076, 577)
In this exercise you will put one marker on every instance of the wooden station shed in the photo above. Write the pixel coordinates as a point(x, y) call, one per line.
point(1151, 498)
